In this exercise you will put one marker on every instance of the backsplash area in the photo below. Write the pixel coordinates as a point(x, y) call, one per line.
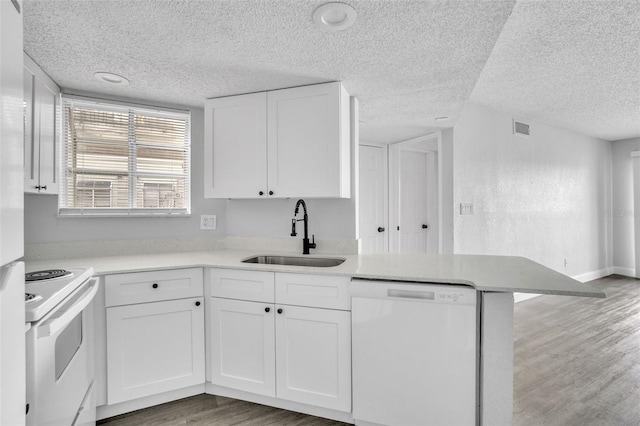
point(80, 249)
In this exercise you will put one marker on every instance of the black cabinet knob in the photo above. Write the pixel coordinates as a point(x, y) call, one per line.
point(261, 193)
point(267, 309)
point(380, 229)
point(425, 226)
point(155, 285)
point(198, 303)
point(270, 192)
point(279, 310)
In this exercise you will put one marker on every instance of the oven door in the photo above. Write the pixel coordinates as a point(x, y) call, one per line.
point(60, 367)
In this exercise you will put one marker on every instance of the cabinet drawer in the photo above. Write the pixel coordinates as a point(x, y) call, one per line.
point(318, 291)
point(142, 287)
point(255, 286)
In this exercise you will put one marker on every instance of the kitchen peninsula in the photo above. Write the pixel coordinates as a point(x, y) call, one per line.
point(495, 279)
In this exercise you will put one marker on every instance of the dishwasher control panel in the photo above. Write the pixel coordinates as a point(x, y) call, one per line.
point(452, 296)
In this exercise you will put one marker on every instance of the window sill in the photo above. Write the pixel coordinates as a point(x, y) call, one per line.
point(115, 213)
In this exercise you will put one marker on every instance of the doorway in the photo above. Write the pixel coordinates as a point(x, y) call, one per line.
point(406, 195)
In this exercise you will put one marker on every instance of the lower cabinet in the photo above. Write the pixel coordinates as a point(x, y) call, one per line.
point(313, 356)
point(297, 353)
point(157, 346)
point(243, 345)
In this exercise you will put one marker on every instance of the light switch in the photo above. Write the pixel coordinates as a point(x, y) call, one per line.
point(208, 221)
point(466, 208)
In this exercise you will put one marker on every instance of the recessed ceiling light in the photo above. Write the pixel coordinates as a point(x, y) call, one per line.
point(334, 16)
point(443, 118)
point(115, 79)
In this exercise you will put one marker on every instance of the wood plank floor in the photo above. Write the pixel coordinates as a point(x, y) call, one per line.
point(577, 362)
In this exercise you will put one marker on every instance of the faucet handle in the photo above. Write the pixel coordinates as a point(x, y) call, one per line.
point(312, 244)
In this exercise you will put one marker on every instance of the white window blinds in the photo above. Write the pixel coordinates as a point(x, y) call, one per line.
point(124, 160)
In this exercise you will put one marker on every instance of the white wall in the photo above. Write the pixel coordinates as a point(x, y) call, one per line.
point(544, 197)
point(42, 224)
point(328, 219)
point(622, 210)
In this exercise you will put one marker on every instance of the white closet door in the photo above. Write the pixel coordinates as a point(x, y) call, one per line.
point(373, 195)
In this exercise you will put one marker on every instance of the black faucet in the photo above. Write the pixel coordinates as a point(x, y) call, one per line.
point(306, 245)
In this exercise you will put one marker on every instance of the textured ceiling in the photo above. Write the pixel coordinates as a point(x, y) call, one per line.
point(407, 61)
point(572, 64)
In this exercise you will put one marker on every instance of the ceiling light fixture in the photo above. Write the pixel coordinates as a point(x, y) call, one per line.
point(334, 16)
point(115, 79)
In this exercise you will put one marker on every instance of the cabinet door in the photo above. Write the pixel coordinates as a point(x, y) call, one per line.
point(31, 151)
point(235, 147)
point(242, 345)
point(48, 102)
point(314, 356)
point(308, 141)
point(41, 132)
point(154, 348)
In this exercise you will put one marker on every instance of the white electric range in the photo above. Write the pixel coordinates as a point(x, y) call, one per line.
point(59, 346)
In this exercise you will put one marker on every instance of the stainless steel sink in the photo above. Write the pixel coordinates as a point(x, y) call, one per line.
point(322, 262)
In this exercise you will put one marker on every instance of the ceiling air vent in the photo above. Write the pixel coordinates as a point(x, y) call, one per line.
point(520, 128)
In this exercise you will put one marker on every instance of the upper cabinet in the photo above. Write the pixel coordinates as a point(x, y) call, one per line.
point(41, 132)
point(279, 144)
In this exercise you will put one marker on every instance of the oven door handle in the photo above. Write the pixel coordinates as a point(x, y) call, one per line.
point(59, 320)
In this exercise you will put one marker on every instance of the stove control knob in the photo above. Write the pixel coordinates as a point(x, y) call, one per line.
point(155, 285)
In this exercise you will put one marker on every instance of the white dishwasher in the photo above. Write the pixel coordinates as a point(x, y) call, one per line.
point(415, 354)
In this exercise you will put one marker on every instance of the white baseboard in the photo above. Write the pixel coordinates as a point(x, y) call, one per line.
point(593, 275)
point(627, 272)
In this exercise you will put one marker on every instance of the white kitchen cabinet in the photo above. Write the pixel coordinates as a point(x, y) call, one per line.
point(313, 358)
point(279, 144)
point(154, 348)
point(308, 142)
point(243, 345)
point(41, 130)
point(296, 353)
point(154, 332)
point(236, 146)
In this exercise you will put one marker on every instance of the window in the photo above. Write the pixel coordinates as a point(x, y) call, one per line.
point(124, 160)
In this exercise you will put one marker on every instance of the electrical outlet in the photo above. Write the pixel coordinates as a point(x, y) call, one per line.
point(208, 221)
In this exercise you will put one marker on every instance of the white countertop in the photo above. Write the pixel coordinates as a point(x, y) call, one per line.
point(484, 273)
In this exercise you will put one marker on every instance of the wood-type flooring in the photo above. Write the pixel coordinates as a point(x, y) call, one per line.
point(577, 359)
point(577, 362)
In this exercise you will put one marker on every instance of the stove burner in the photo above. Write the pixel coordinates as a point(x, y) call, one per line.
point(46, 275)
point(30, 297)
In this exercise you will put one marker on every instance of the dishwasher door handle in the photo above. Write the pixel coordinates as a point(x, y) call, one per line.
point(411, 294)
